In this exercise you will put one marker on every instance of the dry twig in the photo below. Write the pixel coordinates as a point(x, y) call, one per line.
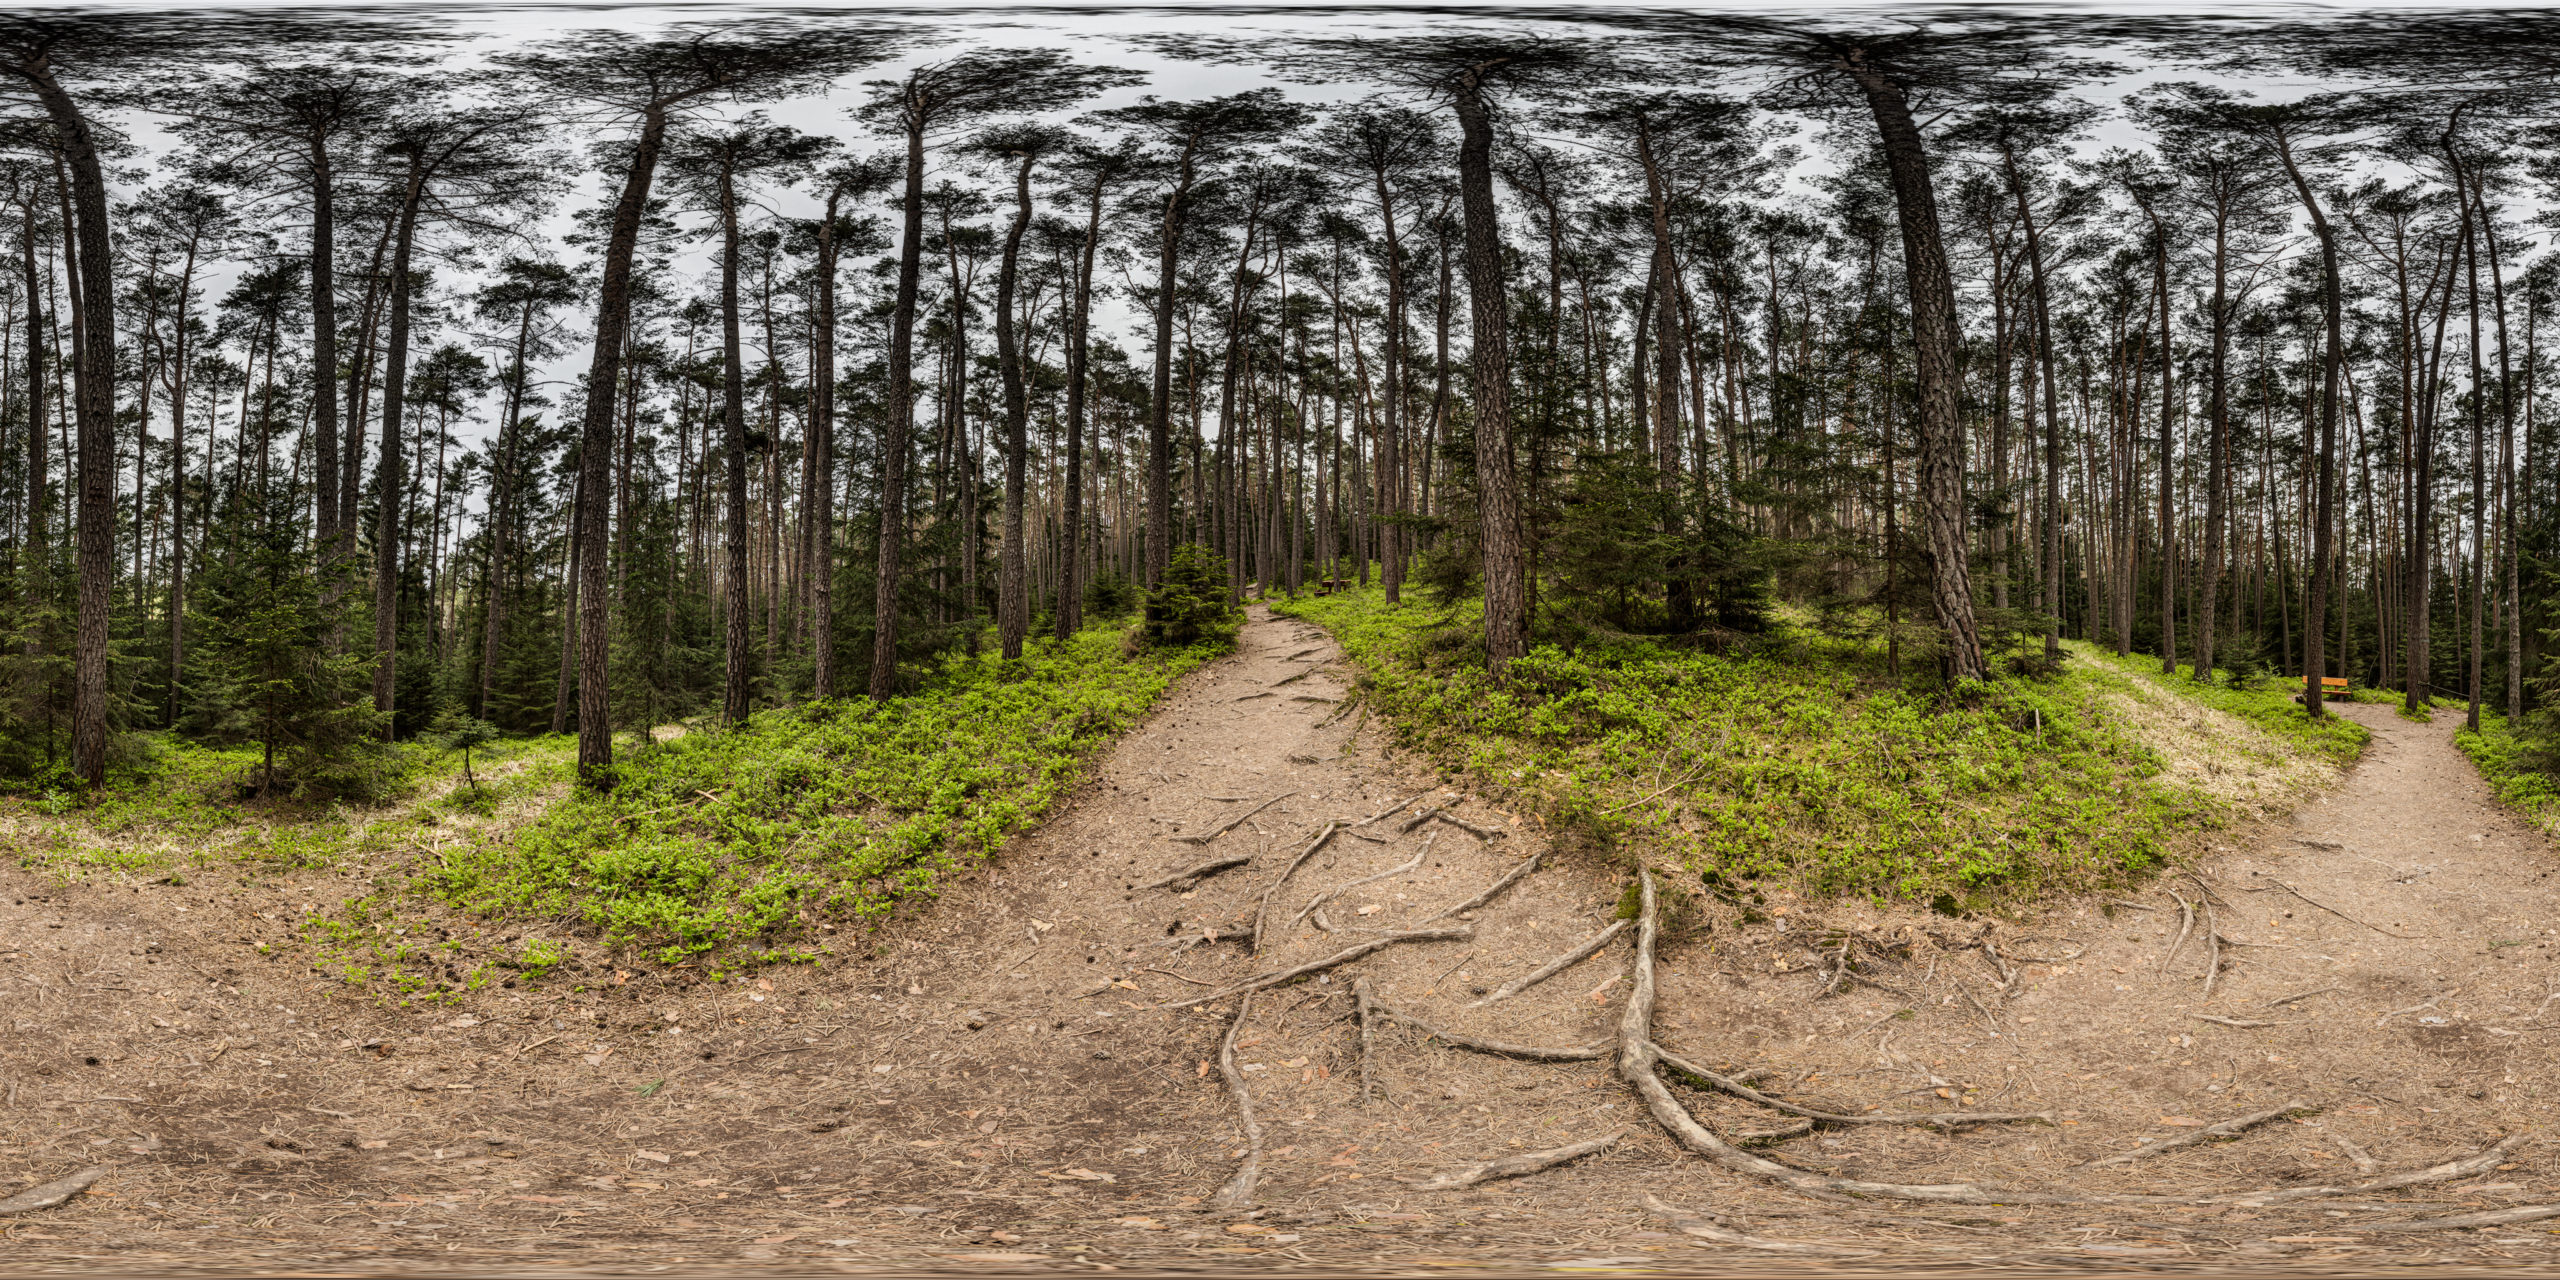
point(1509, 878)
point(1527, 1162)
point(1342, 957)
point(2223, 1132)
point(1234, 822)
point(1206, 869)
point(1582, 951)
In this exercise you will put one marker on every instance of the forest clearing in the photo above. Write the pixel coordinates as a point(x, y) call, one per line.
point(853, 639)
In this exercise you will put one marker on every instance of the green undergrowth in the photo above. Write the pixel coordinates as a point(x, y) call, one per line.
point(743, 843)
point(1806, 765)
point(2517, 771)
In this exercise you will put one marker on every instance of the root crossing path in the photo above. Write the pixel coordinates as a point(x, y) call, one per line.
point(1269, 994)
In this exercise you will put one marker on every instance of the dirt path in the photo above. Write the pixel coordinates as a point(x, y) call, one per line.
point(999, 1083)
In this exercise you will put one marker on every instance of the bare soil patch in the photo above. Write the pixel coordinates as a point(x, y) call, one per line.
point(1019, 1078)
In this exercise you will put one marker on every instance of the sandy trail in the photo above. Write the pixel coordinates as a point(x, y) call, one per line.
point(994, 1080)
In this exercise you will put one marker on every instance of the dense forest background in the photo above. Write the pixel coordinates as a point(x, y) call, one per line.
point(363, 378)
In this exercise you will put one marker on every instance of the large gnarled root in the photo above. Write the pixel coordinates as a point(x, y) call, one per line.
point(1239, 1189)
point(1527, 1162)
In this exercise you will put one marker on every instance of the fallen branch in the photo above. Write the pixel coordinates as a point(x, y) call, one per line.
point(1342, 957)
point(1943, 1121)
point(1687, 1223)
point(1236, 821)
point(1239, 1189)
point(2232, 1022)
point(1262, 907)
point(1206, 869)
point(1525, 1163)
point(2365, 1163)
point(1346, 886)
point(2222, 1132)
point(2470, 1166)
point(1499, 1048)
point(47, 1195)
point(1582, 951)
point(1509, 878)
point(2284, 1000)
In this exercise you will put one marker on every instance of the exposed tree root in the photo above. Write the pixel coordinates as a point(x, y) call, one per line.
point(2470, 1166)
point(1346, 886)
point(1206, 869)
point(1239, 1189)
point(1419, 817)
point(2242, 1023)
point(1234, 822)
point(2459, 1221)
point(1363, 1010)
point(47, 1195)
point(1780, 1134)
point(1390, 810)
point(1582, 951)
point(1262, 907)
point(1342, 957)
point(1944, 1121)
point(1501, 1048)
point(1509, 878)
point(1486, 834)
point(2228, 1129)
point(1525, 1163)
point(2364, 1161)
point(1638, 1058)
point(2186, 925)
point(1690, 1224)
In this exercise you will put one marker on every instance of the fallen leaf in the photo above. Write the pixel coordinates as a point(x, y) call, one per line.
point(2183, 1122)
point(1082, 1175)
point(659, 1156)
point(1371, 909)
point(1247, 1229)
point(1204, 1068)
point(1142, 1224)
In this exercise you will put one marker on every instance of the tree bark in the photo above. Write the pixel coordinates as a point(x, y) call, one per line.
point(733, 416)
point(1935, 340)
point(1506, 616)
point(595, 453)
point(901, 412)
point(1013, 598)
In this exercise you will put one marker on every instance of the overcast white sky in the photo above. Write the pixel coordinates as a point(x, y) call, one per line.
point(1100, 34)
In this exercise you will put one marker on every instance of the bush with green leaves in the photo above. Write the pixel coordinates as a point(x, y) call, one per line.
point(1193, 605)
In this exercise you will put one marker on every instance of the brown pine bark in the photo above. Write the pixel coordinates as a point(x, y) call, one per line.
point(1935, 339)
point(1506, 615)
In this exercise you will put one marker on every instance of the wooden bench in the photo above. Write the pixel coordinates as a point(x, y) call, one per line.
point(2333, 686)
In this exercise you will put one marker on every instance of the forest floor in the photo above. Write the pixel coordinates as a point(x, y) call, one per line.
point(1011, 1081)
